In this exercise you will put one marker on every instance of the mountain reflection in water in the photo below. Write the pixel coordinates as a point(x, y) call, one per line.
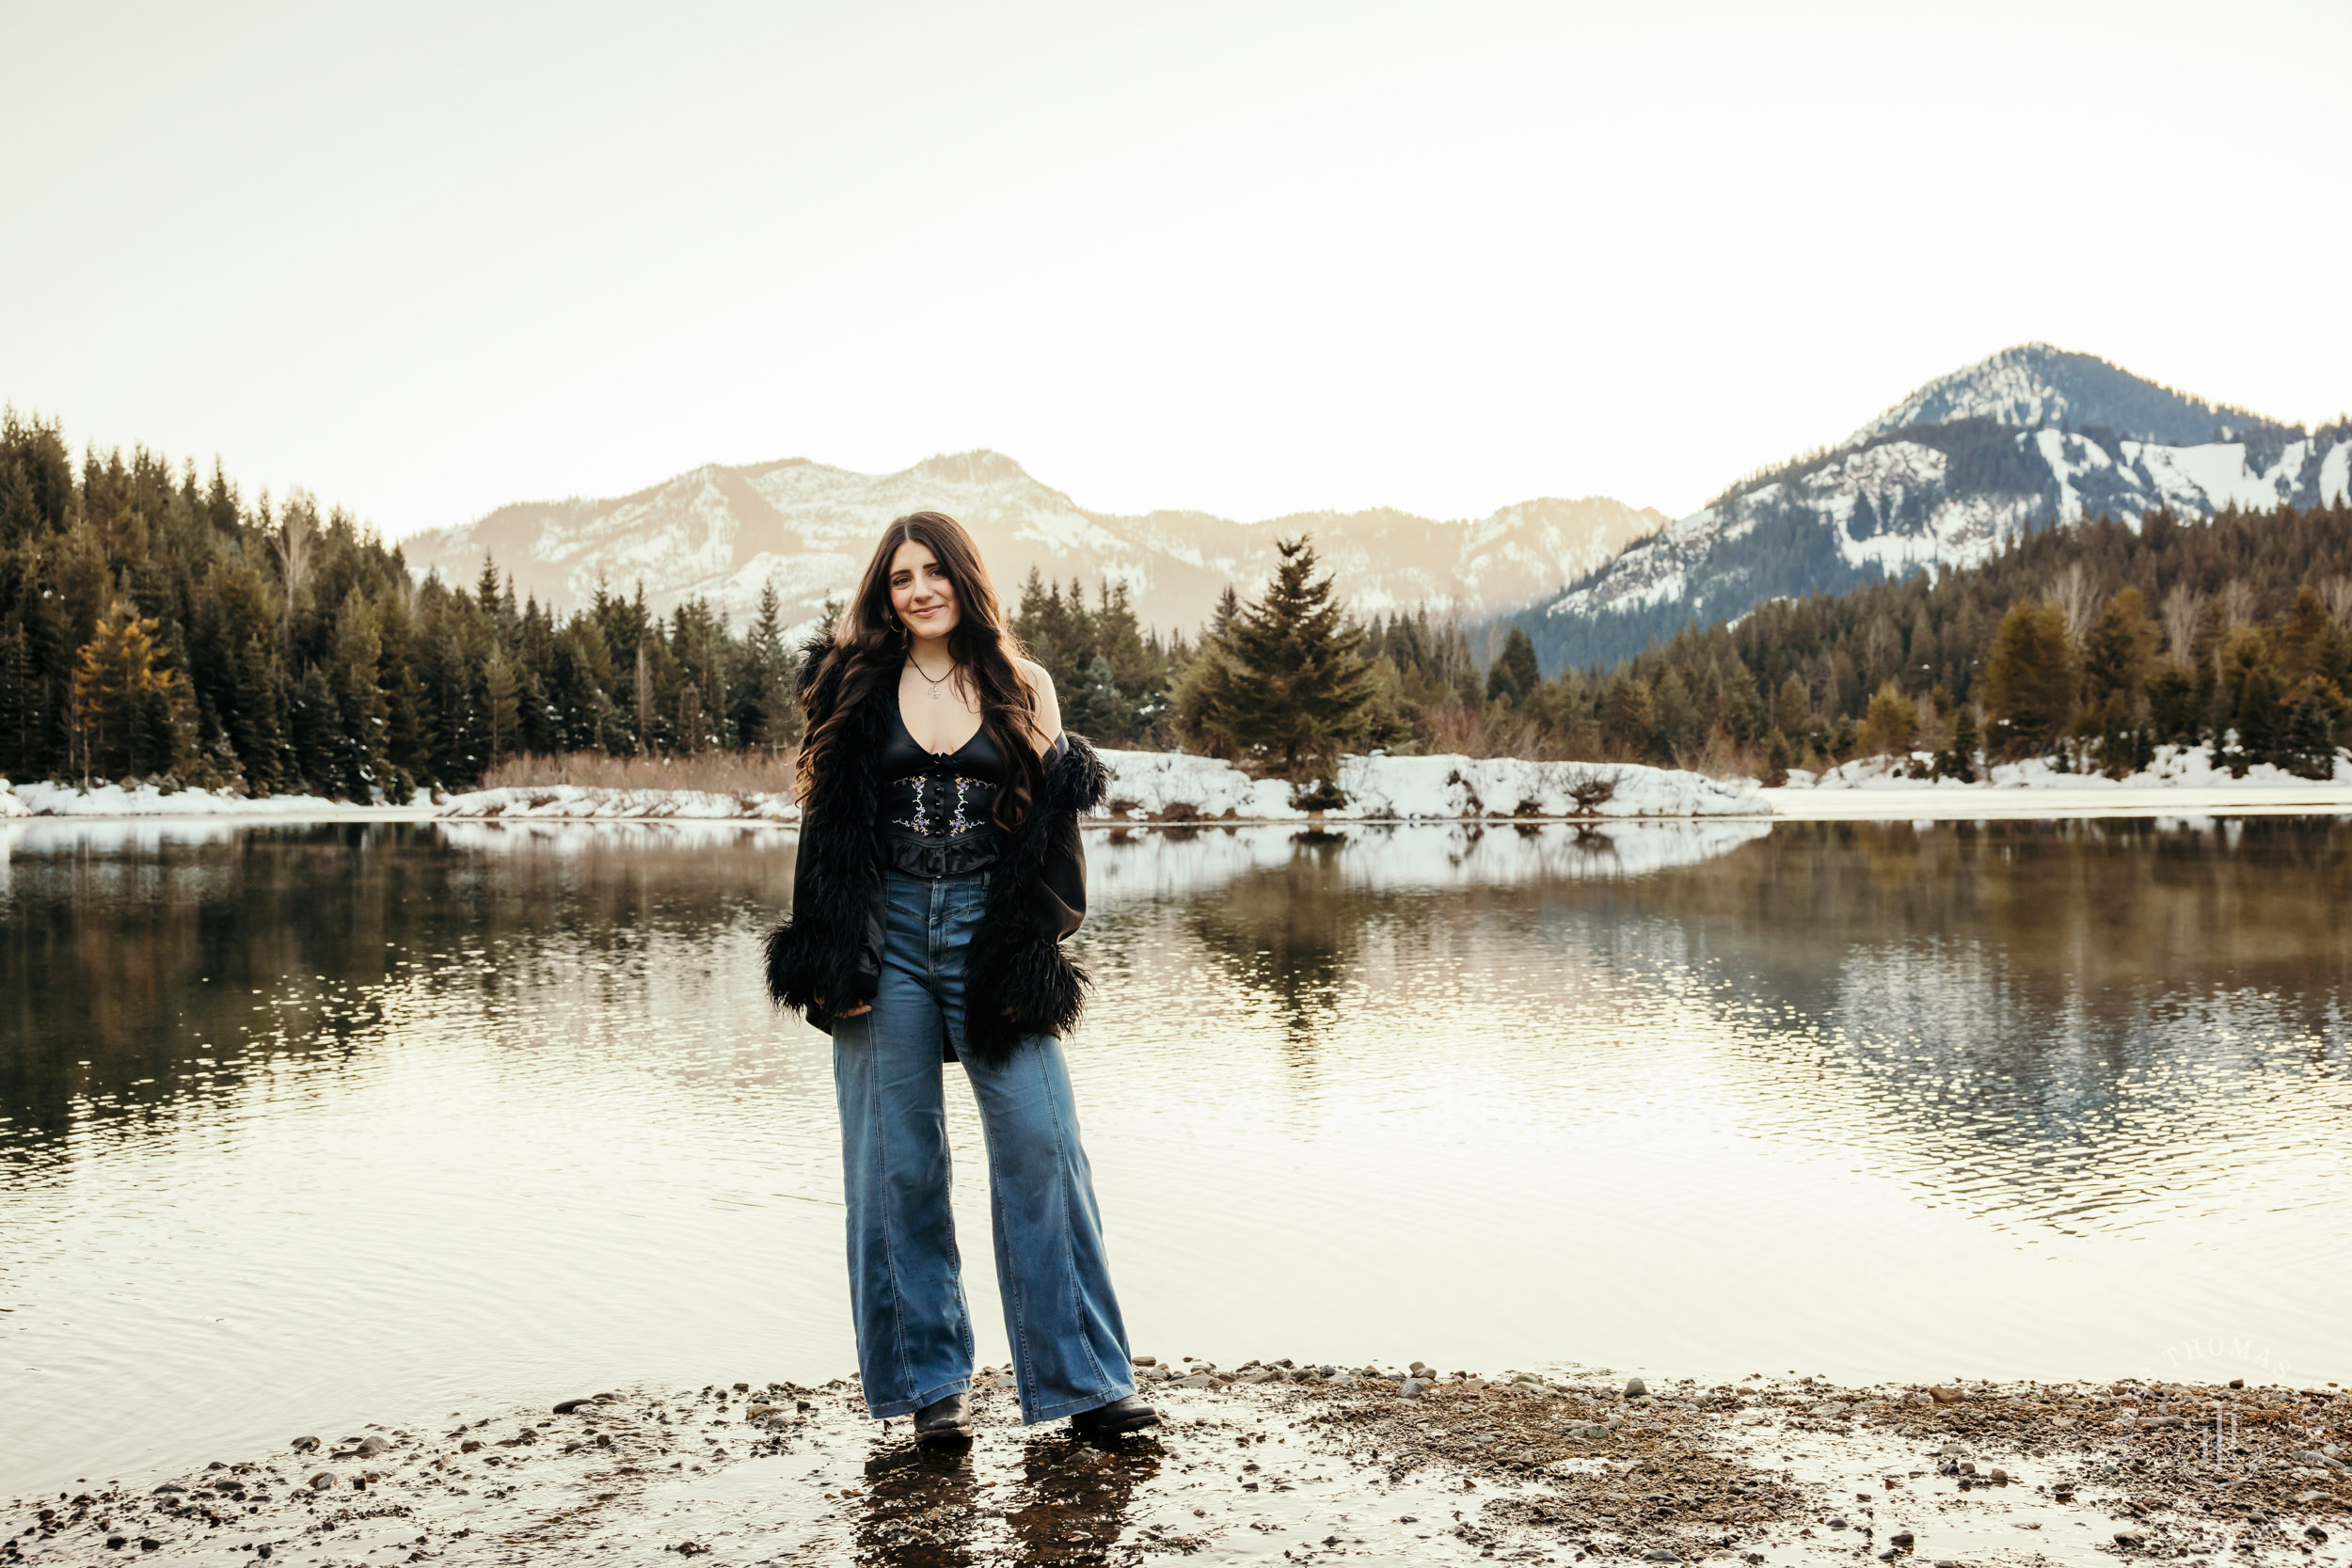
point(337, 1122)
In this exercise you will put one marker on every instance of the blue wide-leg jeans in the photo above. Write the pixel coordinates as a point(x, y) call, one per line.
point(906, 1286)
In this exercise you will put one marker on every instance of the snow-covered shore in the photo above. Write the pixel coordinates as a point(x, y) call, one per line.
point(1168, 787)
point(111, 799)
point(1161, 785)
point(1145, 787)
point(2182, 779)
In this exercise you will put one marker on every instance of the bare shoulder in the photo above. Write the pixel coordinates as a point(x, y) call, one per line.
point(1048, 706)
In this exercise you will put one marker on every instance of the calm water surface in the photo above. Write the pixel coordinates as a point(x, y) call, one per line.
point(301, 1127)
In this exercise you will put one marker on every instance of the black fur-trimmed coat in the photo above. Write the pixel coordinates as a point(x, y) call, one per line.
point(1018, 978)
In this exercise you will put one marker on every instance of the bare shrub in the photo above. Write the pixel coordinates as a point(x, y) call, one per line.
point(1719, 757)
point(1463, 731)
point(2077, 599)
point(1591, 788)
point(753, 772)
point(2336, 593)
point(2183, 606)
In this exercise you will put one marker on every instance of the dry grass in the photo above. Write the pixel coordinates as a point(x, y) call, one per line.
point(717, 772)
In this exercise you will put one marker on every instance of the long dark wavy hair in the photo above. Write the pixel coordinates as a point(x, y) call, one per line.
point(869, 648)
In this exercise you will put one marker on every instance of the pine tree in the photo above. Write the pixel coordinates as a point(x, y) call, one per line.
point(1960, 761)
point(1890, 725)
point(764, 711)
point(361, 767)
point(24, 705)
point(1290, 684)
point(500, 714)
point(123, 695)
point(2029, 678)
point(2117, 648)
point(1515, 676)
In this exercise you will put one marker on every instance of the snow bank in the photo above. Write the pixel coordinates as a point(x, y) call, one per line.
point(1163, 786)
point(1169, 785)
point(578, 802)
point(10, 804)
point(48, 800)
point(2175, 766)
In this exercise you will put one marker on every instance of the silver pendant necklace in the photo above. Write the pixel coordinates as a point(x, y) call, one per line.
point(939, 687)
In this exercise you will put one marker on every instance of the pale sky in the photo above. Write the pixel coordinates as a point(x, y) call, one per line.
point(425, 260)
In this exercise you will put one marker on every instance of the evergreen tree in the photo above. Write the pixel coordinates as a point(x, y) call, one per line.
point(2118, 649)
point(1514, 677)
point(126, 704)
point(1890, 725)
point(1960, 761)
point(2029, 679)
point(1290, 684)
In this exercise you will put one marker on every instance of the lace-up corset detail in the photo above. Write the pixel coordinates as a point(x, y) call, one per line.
point(936, 807)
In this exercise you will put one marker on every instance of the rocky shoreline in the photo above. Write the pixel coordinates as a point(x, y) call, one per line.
point(1277, 1461)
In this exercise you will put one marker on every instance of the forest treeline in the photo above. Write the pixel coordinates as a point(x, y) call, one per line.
point(156, 625)
point(2093, 644)
point(153, 624)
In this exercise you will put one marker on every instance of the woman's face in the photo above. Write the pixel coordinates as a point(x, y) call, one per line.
point(921, 592)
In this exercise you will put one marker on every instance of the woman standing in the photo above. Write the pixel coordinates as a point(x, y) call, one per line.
point(940, 866)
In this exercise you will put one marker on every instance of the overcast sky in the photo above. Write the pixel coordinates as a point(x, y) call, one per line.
point(1257, 258)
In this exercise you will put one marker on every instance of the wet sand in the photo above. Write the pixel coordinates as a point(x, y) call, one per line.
point(1280, 1464)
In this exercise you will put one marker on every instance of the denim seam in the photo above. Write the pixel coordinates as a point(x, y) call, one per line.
point(890, 1242)
point(1069, 1245)
point(1017, 1303)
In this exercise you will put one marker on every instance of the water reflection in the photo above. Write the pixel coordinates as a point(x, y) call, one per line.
point(337, 1117)
point(143, 965)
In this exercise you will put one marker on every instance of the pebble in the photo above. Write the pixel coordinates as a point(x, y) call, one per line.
point(371, 1447)
point(1943, 1395)
point(305, 1445)
point(1662, 1554)
point(322, 1480)
point(1902, 1538)
point(169, 1486)
point(566, 1406)
point(1837, 1524)
point(1634, 1388)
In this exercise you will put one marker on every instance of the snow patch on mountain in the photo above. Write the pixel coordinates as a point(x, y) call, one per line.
point(2035, 385)
point(1944, 479)
point(724, 533)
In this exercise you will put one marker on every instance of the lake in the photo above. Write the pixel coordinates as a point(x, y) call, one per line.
point(306, 1126)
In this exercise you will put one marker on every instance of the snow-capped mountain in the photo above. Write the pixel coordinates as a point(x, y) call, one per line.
point(724, 533)
point(2032, 437)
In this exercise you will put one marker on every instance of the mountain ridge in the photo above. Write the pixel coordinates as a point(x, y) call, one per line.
point(723, 531)
point(2030, 437)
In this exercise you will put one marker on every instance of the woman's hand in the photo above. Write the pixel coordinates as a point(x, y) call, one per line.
point(849, 1012)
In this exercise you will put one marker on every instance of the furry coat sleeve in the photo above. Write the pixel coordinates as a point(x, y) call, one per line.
point(1020, 981)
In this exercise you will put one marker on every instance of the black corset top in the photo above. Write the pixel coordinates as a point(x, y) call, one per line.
point(936, 805)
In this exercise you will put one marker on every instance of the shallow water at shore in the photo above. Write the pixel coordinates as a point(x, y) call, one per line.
point(311, 1122)
point(1273, 1464)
